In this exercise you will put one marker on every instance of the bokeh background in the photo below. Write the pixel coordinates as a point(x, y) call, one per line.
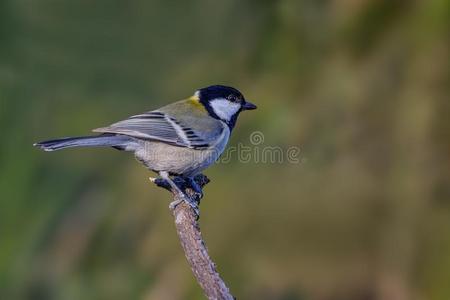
point(360, 86)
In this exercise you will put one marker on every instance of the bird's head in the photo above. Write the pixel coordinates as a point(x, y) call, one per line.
point(223, 102)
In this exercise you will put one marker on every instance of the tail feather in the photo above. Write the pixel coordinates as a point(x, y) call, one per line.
point(104, 140)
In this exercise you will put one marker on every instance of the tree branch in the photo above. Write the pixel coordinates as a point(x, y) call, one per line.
point(188, 229)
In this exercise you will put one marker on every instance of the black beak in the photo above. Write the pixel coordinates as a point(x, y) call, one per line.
point(248, 106)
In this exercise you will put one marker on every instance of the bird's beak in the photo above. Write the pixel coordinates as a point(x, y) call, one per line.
point(248, 106)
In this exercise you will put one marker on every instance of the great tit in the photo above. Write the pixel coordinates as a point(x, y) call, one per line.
point(180, 139)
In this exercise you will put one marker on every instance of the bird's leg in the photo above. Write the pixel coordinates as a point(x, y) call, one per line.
point(181, 195)
point(174, 187)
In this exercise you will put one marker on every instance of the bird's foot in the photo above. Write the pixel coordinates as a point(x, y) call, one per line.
point(197, 193)
point(189, 201)
point(185, 189)
point(188, 194)
point(175, 203)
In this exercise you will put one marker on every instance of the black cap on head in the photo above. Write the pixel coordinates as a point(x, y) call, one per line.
point(219, 91)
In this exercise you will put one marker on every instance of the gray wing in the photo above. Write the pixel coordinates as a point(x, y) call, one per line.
point(157, 126)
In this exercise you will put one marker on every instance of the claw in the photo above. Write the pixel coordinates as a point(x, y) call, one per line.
point(195, 207)
point(178, 186)
point(191, 202)
point(198, 192)
point(174, 204)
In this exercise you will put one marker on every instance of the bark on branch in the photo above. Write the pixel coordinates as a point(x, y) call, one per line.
point(188, 229)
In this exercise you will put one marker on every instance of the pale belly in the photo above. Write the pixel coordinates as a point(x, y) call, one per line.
point(176, 160)
point(159, 156)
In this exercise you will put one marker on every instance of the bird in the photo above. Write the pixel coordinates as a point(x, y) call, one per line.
point(180, 139)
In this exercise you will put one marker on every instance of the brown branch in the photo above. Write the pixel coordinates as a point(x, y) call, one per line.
point(188, 229)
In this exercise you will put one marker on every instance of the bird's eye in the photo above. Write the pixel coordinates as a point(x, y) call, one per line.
point(232, 98)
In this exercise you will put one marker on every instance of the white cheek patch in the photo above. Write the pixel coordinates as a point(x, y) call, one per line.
point(225, 109)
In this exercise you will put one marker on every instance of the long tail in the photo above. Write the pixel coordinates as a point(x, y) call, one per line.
point(103, 140)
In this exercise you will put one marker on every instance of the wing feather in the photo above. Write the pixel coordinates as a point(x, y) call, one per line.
point(158, 126)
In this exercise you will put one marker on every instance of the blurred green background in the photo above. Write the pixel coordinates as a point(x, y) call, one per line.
point(361, 86)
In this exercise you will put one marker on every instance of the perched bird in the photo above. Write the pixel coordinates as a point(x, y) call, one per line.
point(180, 139)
